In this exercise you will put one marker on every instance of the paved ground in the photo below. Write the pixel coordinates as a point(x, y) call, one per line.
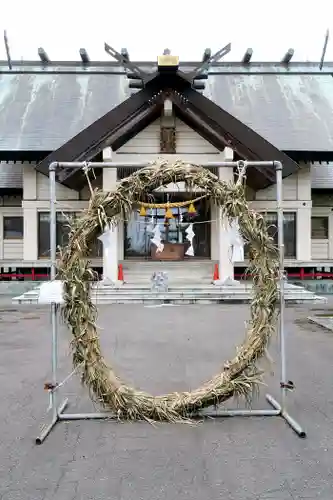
point(169, 348)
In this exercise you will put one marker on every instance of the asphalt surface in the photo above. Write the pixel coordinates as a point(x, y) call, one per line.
point(163, 349)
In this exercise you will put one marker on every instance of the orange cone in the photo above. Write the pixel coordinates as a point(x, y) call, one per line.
point(120, 273)
point(216, 276)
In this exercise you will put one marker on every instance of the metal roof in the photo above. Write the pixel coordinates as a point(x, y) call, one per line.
point(322, 175)
point(40, 111)
point(11, 175)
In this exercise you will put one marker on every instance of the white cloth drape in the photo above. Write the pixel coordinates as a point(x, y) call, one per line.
point(236, 241)
point(110, 253)
point(157, 238)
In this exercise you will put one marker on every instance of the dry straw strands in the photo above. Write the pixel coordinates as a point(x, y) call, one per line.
point(239, 376)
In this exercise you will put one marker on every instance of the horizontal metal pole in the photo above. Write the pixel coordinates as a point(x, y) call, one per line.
point(116, 164)
point(98, 164)
point(88, 416)
point(217, 414)
point(240, 413)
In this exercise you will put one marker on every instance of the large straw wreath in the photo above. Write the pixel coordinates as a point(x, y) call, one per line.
point(239, 376)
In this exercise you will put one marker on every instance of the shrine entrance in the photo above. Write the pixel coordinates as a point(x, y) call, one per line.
point(138, 229)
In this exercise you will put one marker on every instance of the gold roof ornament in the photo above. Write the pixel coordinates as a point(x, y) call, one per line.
point(166, 60)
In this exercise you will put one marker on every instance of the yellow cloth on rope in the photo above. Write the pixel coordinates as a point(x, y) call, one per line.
point(176, 204)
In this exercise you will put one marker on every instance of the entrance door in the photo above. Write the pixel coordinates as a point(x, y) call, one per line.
point(138, 230)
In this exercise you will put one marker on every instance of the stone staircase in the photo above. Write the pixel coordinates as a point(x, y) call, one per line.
point(188, 283)
point(179, 273)
point(192, 294)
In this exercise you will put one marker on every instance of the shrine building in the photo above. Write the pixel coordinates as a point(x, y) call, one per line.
point(203, 113)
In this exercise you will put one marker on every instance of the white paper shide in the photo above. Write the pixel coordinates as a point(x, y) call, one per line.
point(189, 236)
point(236, 241)
point(157, 238)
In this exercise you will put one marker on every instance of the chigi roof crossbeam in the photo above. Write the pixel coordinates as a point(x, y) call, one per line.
point(167, 63)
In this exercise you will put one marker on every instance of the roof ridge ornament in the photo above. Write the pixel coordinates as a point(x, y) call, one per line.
point(167, 62)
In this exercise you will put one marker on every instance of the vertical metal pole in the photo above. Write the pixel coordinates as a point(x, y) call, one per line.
point(53, 221)
point(279, 198)
point(53, 255)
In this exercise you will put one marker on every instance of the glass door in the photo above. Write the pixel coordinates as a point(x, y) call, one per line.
point(138, 230)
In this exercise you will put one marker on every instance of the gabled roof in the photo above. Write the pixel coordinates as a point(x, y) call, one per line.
point(41, 107)
point(218, 126)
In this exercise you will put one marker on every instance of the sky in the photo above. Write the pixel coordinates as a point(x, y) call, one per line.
point(146, 27)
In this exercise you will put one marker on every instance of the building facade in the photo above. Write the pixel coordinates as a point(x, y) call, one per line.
point(254, 112)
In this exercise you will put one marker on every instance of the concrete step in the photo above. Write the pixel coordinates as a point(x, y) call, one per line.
point(242, 292)
point(177, 271)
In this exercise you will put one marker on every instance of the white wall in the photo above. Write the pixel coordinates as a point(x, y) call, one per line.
point(148, 141)
point(43, 189)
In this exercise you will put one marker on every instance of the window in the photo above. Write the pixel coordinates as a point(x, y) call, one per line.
point(289, 227)
point(12, 228)
point(62, 231)
point(96, 249)
point(138, 229)
point(319, 228)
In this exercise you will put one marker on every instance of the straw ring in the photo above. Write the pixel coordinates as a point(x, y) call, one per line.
point(240, 375)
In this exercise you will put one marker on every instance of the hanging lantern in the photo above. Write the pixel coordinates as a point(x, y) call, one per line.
point(142, 211)
point(168, 213)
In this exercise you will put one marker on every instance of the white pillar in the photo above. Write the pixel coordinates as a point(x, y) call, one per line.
point(30, 234)
point(110, 247)
point(226, 267)
point(30, 215)
point(303, 233)
point(303, 222)
point(214, 232)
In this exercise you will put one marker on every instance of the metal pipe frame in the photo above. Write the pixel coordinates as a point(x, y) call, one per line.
point(58, 414)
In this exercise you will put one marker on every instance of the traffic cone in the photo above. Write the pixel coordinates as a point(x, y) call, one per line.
point(120, 272)
point(216, 276)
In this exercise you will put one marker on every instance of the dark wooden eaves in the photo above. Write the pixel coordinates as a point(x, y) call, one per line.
point(90, 141)
point(247, 143)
